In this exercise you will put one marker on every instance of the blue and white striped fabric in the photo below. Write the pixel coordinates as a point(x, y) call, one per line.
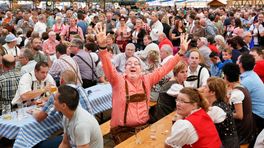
point(100, 97)
point(28, 132)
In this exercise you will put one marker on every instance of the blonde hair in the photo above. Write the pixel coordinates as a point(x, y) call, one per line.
point(179, 66)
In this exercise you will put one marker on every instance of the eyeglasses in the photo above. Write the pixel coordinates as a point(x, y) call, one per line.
point(182, 101)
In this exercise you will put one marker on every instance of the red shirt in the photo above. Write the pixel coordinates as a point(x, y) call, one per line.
point(259, 69)
point(213, 48)
point(165, 41)
point(207, 134)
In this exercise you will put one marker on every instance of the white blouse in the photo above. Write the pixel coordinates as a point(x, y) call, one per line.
point(183, 132)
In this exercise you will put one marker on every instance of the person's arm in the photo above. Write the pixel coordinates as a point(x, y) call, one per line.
point(33, 94)
point(80, 32)
point(65, 142)
point(239, 111)
point(182, 132)
point(109, 70)
point(39, 115)
point(159, 73)
point(83, 146)
point(63, 33)
point(237, 97)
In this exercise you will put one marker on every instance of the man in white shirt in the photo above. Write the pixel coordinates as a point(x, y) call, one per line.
point(41, 26)
point(10, 46)
point(27, 61)
point(34, 84)
point(166, 53)
point(204, 50)
point(156, 27)
point(197, 75)
point(81, 129)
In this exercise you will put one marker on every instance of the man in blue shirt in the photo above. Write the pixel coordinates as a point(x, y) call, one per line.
point(255, 86)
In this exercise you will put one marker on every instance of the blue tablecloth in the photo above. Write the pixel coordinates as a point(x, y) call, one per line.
point(28, 132)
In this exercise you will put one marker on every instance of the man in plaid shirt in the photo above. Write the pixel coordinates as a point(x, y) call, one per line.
point(8, 80)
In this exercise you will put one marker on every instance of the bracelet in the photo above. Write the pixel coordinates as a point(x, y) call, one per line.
point(102, 47)
point(180, 54)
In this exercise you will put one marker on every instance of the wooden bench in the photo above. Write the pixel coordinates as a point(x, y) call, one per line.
point(152, 103)
point(244, 146)
point(105, 128)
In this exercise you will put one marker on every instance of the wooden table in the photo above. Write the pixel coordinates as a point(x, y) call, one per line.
point(163, 128)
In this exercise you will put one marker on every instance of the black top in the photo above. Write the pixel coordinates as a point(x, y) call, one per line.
point(226, 129)
point(165, 103)
point(177, 41)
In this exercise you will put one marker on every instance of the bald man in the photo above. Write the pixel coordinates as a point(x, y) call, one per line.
point(120, 59)
point(8, 80)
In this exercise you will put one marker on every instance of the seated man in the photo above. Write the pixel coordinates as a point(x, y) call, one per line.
point(34, 84)
point(67, 77)
point(81, 129)
point(8, 80)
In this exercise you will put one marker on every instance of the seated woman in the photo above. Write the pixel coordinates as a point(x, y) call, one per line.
point(215, 91)
point(193, 126)
point(166, 103)
point(241, 103)
point(131, 90)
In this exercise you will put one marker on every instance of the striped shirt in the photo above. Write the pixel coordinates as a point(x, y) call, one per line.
point(8, 86)
point(59, 66)
point(83, 99)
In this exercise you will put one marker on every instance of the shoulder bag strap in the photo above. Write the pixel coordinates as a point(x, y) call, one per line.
point(91, 67)
point(73, 69)
point(199, 74)
point(127, 102)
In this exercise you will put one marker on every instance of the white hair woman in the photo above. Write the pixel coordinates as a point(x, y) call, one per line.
point(131, 90)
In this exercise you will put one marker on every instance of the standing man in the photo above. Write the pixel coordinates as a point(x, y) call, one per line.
point(81, 129)
point(85, 62)
point(64, 62)
point(156, 27)
point(255, 86)
point(8, 80)
point(41, 26)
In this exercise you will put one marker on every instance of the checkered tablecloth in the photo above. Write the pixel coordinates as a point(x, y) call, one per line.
point(28, 132)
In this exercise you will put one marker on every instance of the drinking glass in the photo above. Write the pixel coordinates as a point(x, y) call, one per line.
point(138, 138)
point(20, 111)
point(53, 89)
point(153, 132)
point(7, 112)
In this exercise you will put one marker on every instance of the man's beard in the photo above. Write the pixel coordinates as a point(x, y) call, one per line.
point(37, 48)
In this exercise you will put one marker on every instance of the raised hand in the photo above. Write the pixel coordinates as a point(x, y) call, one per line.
point(184, 43)
point(101, 35)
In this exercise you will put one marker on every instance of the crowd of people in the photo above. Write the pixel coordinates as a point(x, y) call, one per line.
point(207, 64)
